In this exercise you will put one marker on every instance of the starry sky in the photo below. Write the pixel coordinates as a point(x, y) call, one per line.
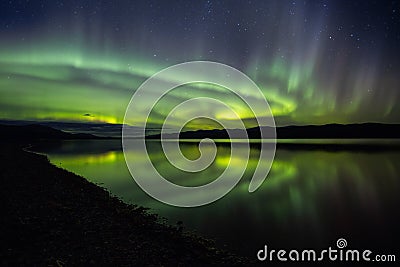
point(316, 62)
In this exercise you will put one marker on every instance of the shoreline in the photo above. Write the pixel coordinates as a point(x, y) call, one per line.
point(55, 217)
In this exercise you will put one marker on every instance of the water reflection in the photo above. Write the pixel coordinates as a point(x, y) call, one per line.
point(310, 198)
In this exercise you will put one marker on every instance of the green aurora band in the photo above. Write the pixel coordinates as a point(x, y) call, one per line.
point(66, 86)
point(46, 76)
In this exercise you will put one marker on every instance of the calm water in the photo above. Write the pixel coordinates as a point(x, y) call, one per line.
point(310, 198)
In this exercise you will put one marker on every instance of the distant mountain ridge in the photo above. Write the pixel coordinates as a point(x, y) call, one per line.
point(333, 131)
point(340, 131)
point(101, 129)
point(95, 128)
point(35, 131)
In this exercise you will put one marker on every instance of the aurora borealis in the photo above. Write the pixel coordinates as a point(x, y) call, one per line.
point(316, 61)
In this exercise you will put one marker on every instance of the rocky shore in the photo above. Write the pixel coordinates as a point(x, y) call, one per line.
point(52, 217)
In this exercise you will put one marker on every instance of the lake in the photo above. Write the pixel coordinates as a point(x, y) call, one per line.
point(310, 198)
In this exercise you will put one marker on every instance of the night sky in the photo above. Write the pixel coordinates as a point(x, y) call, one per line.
point(316, 61)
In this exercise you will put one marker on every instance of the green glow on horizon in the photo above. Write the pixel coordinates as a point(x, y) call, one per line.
point(75, 84)
point(85, 66)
